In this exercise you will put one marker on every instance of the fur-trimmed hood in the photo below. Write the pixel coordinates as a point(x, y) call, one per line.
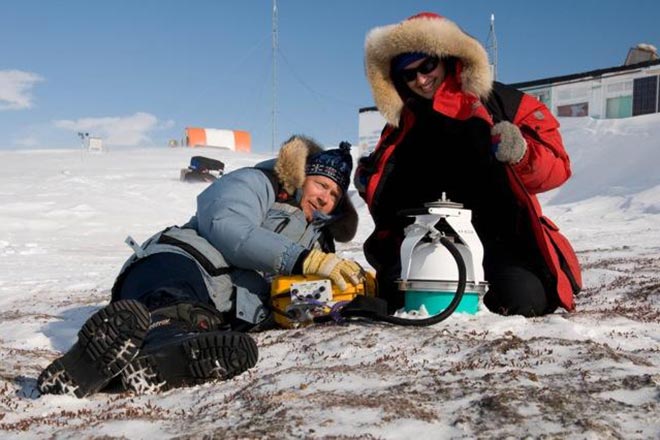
point(290, 170)
point(429, 33)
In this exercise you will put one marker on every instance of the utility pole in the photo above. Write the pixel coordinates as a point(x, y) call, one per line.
point(491, 47)
point(274, 85)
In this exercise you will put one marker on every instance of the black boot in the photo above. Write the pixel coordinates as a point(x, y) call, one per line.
point(107, 342)
point(181, 351)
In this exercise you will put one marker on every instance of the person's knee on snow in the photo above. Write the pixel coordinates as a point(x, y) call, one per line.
point(517, 291)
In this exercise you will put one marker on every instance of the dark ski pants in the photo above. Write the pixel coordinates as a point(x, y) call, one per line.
point(163, 279)
point(516, 287)
point(168, 279)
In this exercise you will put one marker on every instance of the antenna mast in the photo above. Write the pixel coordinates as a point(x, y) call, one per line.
point(491, 47)
point(275, 48)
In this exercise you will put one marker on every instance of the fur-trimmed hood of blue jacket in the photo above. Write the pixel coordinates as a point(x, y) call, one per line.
point(289, 168)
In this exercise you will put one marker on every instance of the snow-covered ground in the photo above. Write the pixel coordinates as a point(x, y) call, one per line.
point(594, 373)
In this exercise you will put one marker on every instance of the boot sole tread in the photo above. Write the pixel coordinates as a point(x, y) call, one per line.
point(107, 342)
point(203, 357)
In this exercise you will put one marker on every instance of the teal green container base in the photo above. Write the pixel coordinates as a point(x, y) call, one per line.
point(436, 302)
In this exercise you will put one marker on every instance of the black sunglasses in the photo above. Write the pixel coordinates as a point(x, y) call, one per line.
point(428, 66)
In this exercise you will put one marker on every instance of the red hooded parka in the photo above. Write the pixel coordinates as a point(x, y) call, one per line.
point(470, 93)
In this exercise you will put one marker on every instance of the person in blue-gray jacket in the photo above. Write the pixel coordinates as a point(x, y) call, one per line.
point(183, 302)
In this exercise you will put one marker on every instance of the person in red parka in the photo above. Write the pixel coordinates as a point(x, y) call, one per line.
point(452, 129)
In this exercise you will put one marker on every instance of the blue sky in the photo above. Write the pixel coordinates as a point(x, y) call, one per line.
point(137, 72)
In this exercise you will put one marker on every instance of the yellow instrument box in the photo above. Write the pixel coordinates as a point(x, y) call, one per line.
point(313, 293)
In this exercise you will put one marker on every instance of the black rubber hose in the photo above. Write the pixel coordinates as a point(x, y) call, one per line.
point(460, 290)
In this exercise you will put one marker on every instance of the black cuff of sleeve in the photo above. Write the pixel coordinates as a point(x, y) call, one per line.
point(298, 267)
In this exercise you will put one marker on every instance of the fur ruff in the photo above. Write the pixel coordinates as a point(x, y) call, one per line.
point(290, 171)
point(427, 33)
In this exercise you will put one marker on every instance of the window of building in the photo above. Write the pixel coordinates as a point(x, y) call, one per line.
point(569, 110)
point(543, 96)
point(645, 95)
point(619, 88)
point(620, 107)
point(572, 92)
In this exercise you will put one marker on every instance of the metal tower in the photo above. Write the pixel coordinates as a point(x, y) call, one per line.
point(491, 47)
point(274, 85)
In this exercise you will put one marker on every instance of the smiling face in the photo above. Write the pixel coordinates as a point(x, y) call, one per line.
point(424, 76)
point(320, 193)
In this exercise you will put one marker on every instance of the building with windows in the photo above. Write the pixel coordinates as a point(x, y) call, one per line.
point(616, 92)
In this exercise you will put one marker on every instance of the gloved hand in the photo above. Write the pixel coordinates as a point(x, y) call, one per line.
point(331, 266)
point(509, 145)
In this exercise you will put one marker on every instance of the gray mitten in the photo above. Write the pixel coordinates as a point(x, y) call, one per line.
point(508, 143)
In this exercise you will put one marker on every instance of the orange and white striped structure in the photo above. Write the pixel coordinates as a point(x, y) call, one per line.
point(234, 140)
